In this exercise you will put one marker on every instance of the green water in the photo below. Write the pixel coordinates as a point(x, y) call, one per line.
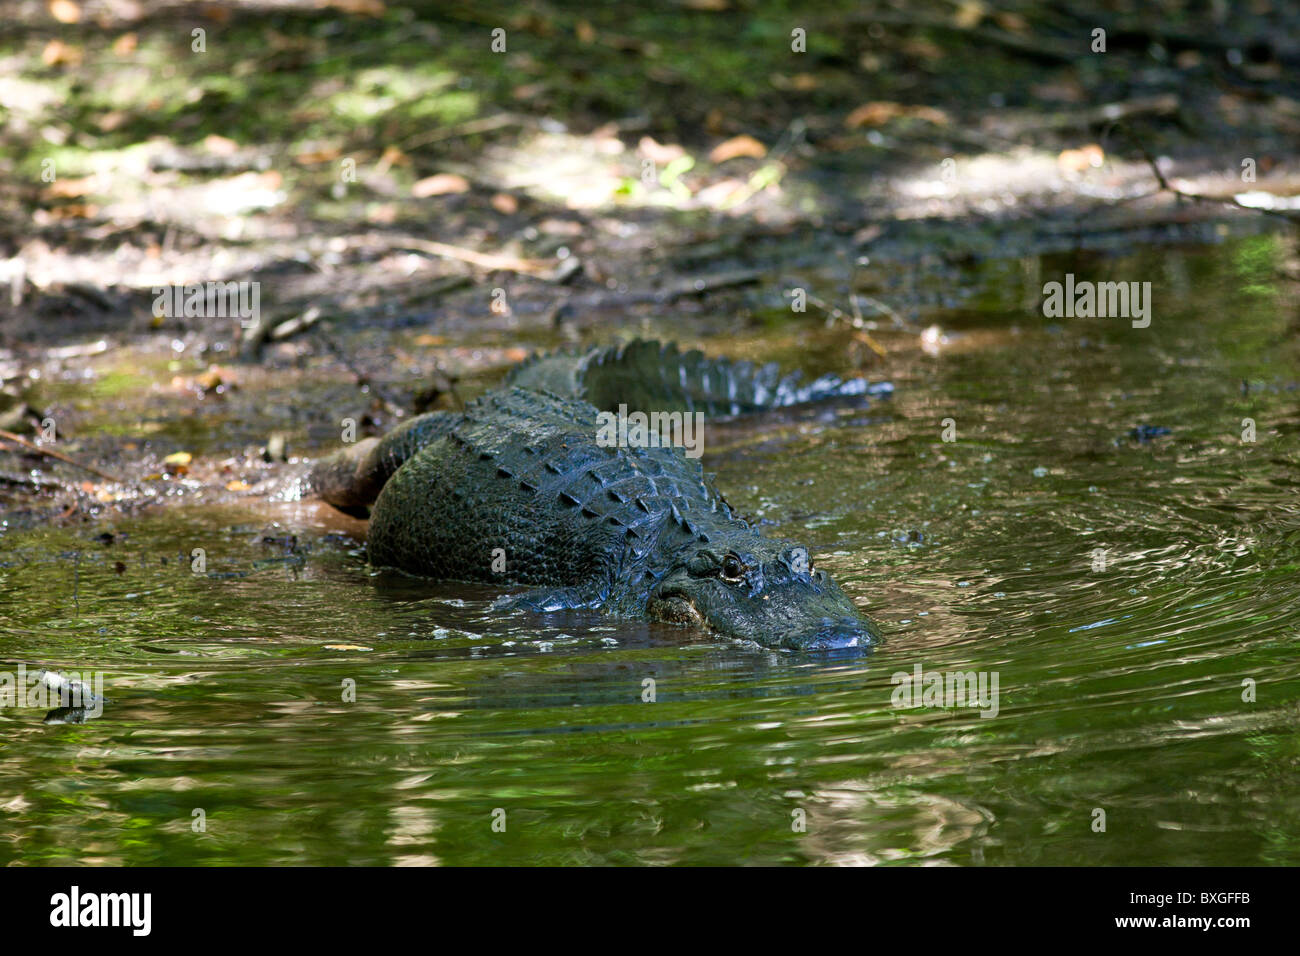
point(1121, 592)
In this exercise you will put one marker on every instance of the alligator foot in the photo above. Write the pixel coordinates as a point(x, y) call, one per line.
point(545, 600)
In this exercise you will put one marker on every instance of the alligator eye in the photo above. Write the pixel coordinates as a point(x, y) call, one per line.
point(732, 568)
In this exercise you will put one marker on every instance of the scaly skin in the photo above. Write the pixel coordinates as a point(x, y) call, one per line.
point(649, 375)
point(516, 491)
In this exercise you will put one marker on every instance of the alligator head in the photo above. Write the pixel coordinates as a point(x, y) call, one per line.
point(762, 590)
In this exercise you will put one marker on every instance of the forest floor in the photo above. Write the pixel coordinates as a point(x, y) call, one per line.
point(419, 208)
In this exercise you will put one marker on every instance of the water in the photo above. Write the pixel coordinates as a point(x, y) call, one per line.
point(1122, 591)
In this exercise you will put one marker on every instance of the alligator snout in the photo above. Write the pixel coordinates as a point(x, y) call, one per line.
point(835, 634)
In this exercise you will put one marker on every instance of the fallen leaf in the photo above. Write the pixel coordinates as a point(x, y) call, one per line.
point(220, 145)
point(923, 49)
point(312, 157)
point(369, 8)
point(717, 195)
point(1078, 160)
point(529, 91)
point(125, 44)
point(178, 458)
point(505, 204)
point(111, 120)
point(43, 217)
point(659, 153)
point(392, 156)
point(440, 184)
point(238, 486)
point(969, 14)
point(1012, 22)
point(214, 378)
point(881, 112)
point(57, 52)
point(70, 188)
point(65, 11)
point(425, 338)
point(585, 32)
point(868, 234)
point(737, 146)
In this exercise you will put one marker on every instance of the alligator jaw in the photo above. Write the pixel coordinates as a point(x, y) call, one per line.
point(842, 629)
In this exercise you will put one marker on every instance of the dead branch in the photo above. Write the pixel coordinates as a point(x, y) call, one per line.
point(51, 453)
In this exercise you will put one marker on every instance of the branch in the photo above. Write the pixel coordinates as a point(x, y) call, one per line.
point(51, 453)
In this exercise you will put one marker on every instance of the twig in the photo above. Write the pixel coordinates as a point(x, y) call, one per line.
point(51, 453)
point(1167, 186)
point(834, 313)
point(1034, 47)
point(484, 124)
point(483, 260)
point(1016, 125)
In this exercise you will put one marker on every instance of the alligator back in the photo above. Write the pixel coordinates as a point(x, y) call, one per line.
point(519, 492)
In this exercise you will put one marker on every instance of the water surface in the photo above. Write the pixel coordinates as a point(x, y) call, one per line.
point(1121, 589)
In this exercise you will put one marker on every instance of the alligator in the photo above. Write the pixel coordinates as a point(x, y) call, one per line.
point(518, 490)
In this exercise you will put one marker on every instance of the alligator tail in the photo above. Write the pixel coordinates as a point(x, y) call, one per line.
point(650, 376)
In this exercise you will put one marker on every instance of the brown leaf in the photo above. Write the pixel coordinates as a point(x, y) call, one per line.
point(440, 184)
point(1078, 160)
point(220, 145)
point(65, 11)
point(719, 194)
point(368, 8)
point(125, 44)
point(70, 188)
point(881, 112)
point(1011, 22)
point(741, 145)
point(505, 204)
point(969, 14)
point(659, 152)
point(57, 52)
point(312, 157)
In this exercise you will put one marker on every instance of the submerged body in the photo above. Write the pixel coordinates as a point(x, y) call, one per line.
point(517, 491)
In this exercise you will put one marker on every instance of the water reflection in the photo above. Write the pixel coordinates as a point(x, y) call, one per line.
point(1136, 599)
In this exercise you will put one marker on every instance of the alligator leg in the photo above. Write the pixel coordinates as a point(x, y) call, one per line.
point(550, 599)
point(351, 479)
